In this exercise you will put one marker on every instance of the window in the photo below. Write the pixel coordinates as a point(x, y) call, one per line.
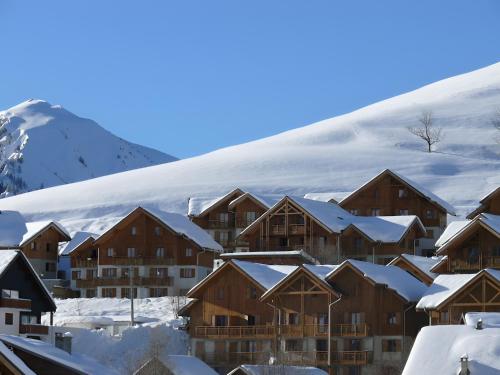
point(7, 293)
point(223, 217)
point(322, 242)
point(392, 318)
point(187, 273)
point(251, 320)
point(430, 214)
point(430, 233)
point(250, 217)
point(76, 275)
point(293, 318)
point(354, 211)
point(403, 212)
point(47, 247)
point(160, 252)
point(158, 292)
point(33, 245)
point(443, 317)
point(375, 212)
point(223, 238)
point(495, 251)
point(131, 253)
point(108, 292)
point(358, 243)
point(283, 242)
point(108, 273)
point(111, 252)
point(9, 319)
point(402, 193)
point(133, 231)
point(376, 194)
point(189, 252)
point(50, 267)
point(251, 292)
point(159, 272)
point(220, 293)
point(91, 274)
point(29, 319)
point(126, 292)
point(90, 293)
point(293, 345)
point(321, 345)
point(391, 346)
point(220, 320)
point(357, 318)
point(157, 231)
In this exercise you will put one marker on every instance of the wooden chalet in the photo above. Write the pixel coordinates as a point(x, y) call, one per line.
point(451, 296)
point(330, 234)
point(154, 253)
point(489, 204)
point(250, 313)
point(418, 266)
point(225, 217)
point(174, 365)
point(39, 241)
point(24, 297)
point(471, 245)
point(390, 193)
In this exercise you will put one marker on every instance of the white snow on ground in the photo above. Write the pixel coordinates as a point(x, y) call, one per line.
point(337, 154)
point(45, 145)
point(438, 349)
point(132, 349)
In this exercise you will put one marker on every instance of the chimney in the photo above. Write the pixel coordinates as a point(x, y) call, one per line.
point(63, 341)
point(464, 365)
point(479, 324)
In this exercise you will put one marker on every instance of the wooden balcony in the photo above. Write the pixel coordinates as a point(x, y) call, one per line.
point(463, 265)
point(137, 261)
point(217, 224)
point(124, 281)
point(491, 262)
point(235, 332)
point(277, 229)
point(351, 358)
point(84, 263)
point(307, 330)
point(296, 229)
point(235, 358)
point(15, 303)
point(350, 330)
point(312, 358)
point(35, 329)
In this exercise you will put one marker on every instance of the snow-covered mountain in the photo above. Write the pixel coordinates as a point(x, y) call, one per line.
point(42, 145)
point(333, 155)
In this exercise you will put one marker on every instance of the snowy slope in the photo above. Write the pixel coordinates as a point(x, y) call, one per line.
point(333, 155)
point(42, 145)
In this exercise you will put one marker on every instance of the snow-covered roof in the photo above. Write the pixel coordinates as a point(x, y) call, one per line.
point(438, 349)
point(489, 319)
point(335, 196)
point(331, 215)
point(182, 225)
point(417, 187)
point(424, 264)
point(393, 277)
point(197, 206)
point(269, 254)
point(451, 229)
point(186, 365)
point(322, 271)
point(15, 231)
point(6, 257)
point(445, 286)
point(76, 362)
point(387, 229)
point(15, 360)
point(266, 275)
point(265, 200)
point(490, 194)
point(278, 369)
point(77, 239)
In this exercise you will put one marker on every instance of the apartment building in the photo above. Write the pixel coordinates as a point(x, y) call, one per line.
point(151, 252)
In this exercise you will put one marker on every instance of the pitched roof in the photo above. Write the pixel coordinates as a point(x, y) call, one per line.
point(75, 362)
point(270, 254)
point(446, 286)
point(483, 202)
point(78, 239)
point(14, 360)
point(424, 192)
point(279, 369)
point(186, 365)
point(395, 278)
point(264, 200)
point(424, 264)
point(198, 206)
point(386, 229)
point(15, 231)
point(333, 197)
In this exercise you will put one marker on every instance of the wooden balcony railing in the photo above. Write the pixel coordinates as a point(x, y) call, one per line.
point(137, 261)
point(307, 330)
point(124, 281)
point(217, 224)
point(312, 358)
point(84, 263)
point(15, 303)
point(492, 262)
point(235, 331)
point(463, 265)
point(352, 358)
point(36, 329)
point(278, 229)
point(235, 358)
point(296, 228)
point(350, 330)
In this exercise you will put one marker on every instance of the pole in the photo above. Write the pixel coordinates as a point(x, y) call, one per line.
point(330, 334)
point(404, 328)
point(131, 297)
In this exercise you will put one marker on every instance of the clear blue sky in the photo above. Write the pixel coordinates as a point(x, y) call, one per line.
point(188, 77)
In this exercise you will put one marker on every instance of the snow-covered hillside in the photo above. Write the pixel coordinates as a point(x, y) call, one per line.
point(42, 145)
point(333, 155)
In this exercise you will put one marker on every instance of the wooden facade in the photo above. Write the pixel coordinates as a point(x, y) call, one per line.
point(163, 262)
point(409, 267)
point(489, 204)
point(475, 247)
point(480, 294)
point(234, 320)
